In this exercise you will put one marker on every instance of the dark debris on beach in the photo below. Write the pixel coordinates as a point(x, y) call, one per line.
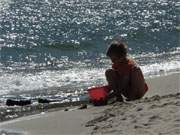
point(12, 112)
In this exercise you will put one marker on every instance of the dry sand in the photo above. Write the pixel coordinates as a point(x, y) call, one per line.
point(156, 114)
point(164, 85)
point(152, 116)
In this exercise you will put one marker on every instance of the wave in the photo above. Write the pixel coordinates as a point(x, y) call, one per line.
point(76, 76)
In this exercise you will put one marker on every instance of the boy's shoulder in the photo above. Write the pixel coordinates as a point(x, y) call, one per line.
point(132, 62)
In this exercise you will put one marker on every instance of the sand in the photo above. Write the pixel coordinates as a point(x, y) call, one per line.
point(164, 85)
point(156, 114)
point(152, 116)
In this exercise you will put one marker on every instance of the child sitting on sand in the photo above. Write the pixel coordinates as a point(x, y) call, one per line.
point(125, 78)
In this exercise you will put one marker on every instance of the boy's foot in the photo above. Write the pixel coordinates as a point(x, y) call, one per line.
point(119, 99)
point(83, 106)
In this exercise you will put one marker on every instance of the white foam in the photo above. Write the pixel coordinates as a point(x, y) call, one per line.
point(18, 81)
point(161, 68)
point(78, 77)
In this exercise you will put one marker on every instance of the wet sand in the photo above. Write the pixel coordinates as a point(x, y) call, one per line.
point(158, 113)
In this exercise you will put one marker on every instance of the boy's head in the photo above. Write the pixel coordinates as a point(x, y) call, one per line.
point(118, 49)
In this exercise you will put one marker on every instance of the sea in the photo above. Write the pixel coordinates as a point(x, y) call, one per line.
point(56, 49)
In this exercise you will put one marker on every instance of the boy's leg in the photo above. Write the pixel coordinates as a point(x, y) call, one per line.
point(131, 94)
point(113, 82)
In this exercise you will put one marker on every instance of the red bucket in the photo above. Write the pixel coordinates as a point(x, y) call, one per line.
point(98, 93)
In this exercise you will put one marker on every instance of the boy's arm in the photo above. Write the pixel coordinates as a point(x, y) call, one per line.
point(137, 81)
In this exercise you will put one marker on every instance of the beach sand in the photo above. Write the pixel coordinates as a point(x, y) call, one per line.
point(158, 113)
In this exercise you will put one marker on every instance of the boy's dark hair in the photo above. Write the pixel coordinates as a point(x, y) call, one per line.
point(117, 48)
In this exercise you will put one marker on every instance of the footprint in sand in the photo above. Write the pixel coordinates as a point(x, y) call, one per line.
point(154, 118)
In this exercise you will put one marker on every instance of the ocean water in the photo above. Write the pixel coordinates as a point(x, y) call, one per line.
point(56, 48)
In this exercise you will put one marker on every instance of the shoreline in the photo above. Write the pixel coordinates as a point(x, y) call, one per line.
point(163, 94)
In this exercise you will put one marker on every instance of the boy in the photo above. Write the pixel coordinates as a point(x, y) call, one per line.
point(125, 78)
